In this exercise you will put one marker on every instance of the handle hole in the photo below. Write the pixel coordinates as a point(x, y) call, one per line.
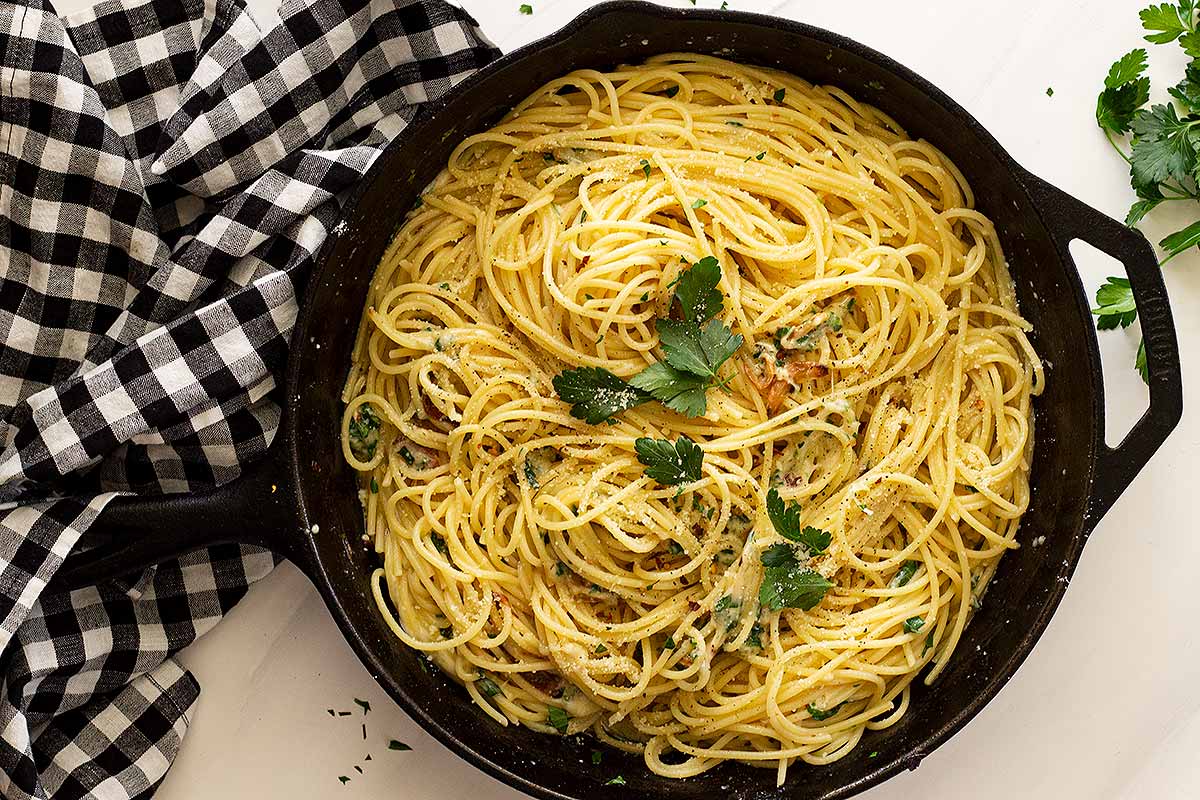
point(1126, 397)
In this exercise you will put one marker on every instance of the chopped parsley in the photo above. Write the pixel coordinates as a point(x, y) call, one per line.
point(820, 715)
point(617, 781)
point(646, 167)
point(671, 91)
point(669, 644)
point(525, 8)
point(913, 624)
point(780, 93)
point(363, 431)
point(374, 486)
point(407, 455)
point(669, 464)
point(755, 638)
point(487, 686)
point(558, 718)
point(699, 203)
point(905, 573)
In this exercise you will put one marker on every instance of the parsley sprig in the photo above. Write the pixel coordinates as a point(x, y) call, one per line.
point(695, 348)
point(788, 581)
point(1164, 145)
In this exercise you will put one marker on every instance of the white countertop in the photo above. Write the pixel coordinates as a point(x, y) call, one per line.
point(1105, 707)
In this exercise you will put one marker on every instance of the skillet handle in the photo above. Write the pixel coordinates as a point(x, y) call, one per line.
point(135, 533)
point(1068, 219)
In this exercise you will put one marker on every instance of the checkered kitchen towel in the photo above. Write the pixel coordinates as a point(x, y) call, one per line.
point(168, 169)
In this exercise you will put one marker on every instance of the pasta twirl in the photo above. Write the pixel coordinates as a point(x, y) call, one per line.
point(884, 385)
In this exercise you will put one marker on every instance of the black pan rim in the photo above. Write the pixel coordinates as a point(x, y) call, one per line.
point(429, 116)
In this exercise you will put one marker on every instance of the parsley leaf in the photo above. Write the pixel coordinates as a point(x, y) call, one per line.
point(678, 391)
point(595, 394)
point(1163, 145)
point(905, 573)
point(1115, 305)
point(1126, 68)
point(913, 624)
point(1187, 91)
point(1164, 22)
point(1140, 209)
point(1124, 92)
point(669, 464)
point(1139, 362)
point(558, 718)
point(790, 584)
point(778, 555)
point(695, 350)
point(487, 686)
point(617, 781)
point(696, 291)
point(525, 8)
point(786, 519)
point(1180, 241)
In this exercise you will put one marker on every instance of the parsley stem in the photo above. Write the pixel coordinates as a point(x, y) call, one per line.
point(1120, 152)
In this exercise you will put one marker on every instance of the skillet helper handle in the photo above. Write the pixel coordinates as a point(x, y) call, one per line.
point(135, 533)
point(1068, 219)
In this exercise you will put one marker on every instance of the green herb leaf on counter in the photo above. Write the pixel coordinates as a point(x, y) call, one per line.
point(1116, 305)
point(558, 718)
point(525, 8)
point(1049, 91)
point(669, 464)
point(1166, 22)
point(1124, 92)
point(1163, 149)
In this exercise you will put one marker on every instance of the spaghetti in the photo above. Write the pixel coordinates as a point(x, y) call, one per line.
point(884, 387)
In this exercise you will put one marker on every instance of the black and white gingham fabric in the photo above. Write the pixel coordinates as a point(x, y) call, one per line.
point(168, 169)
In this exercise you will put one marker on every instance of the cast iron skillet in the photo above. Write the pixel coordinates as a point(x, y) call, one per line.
point(304, 484)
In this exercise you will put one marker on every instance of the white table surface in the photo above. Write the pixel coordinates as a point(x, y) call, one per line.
point(1105, 707)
